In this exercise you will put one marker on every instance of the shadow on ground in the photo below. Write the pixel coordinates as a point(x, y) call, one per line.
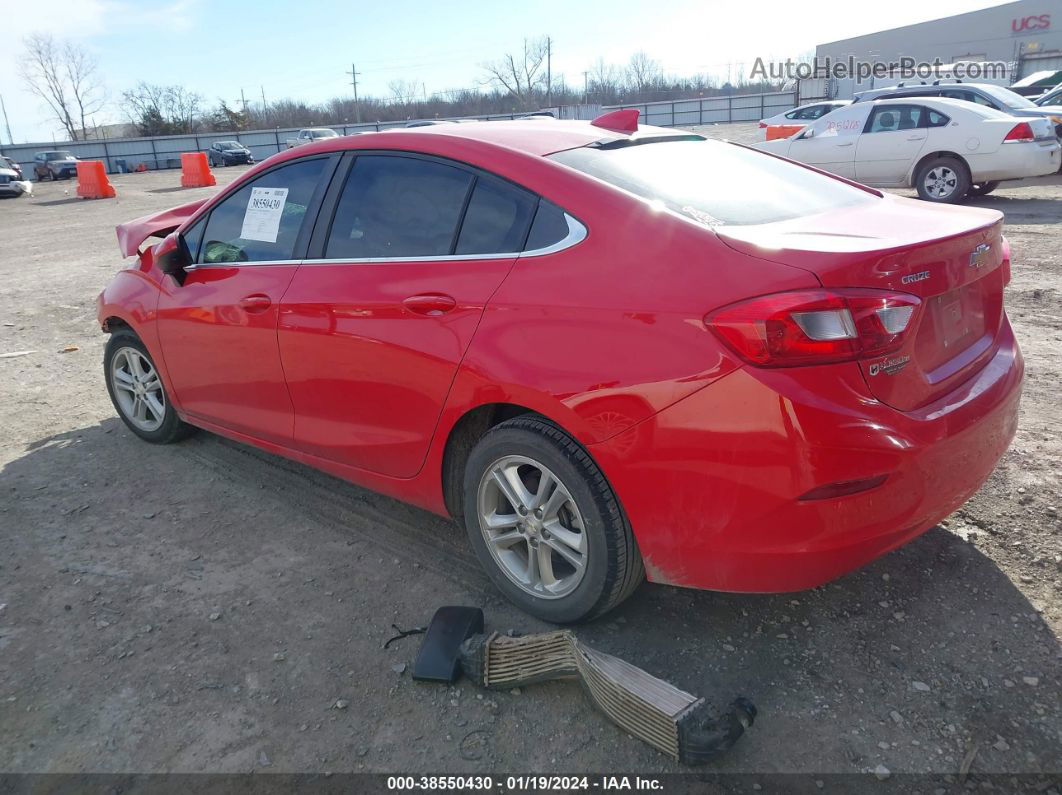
point(202, 607)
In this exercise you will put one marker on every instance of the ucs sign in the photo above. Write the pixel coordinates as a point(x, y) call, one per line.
point(1022, 24)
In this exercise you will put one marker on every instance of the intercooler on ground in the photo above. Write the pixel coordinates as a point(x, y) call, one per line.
point(671, 720)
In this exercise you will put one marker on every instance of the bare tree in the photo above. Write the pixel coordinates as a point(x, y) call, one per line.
point(162, 110)
point(405, 92)
point(643, 73)
point(520, 74)
point(64, 76)
point(604, 81)
point(85, 87)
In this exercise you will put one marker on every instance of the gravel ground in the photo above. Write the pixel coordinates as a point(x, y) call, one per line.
point(207, 607)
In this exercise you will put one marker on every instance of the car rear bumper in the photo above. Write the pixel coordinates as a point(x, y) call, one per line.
point(1017, 161)
point(712, 484)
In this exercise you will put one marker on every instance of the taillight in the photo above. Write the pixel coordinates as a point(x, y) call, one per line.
point(763, 125)
point(1005, 265)
point(1021, 134)
point(815, 326)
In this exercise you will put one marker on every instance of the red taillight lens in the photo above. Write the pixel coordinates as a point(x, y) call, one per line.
point(1022, 133)
point(763, 125)
point(815, 326)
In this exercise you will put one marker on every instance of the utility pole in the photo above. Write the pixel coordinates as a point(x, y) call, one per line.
point(264, 106)
point(549, 72)
point(586, 88)
point(354, 82)
point(7, 124)
point(243, 99)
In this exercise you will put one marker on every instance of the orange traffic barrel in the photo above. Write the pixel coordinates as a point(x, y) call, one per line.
point(195, 171)
point(92, 182)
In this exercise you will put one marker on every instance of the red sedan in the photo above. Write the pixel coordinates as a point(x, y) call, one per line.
point(612, 353)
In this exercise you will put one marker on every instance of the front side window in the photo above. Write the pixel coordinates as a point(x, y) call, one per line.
point(714, 182)
point(261, 220)
point(398, 207)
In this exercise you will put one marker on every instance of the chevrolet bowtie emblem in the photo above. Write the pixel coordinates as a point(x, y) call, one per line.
point(979, 256)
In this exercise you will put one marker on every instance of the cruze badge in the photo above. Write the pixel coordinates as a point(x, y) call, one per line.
point(977, 256)
point(911, 278)
point(889, 366)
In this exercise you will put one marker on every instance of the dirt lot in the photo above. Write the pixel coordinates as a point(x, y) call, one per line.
point(206, 607)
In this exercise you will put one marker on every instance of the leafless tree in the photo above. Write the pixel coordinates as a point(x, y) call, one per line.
point(520, 74)
point(406, 92)
point(604, 81)
point(162, 110)
point(643, 73)
point(64, 76)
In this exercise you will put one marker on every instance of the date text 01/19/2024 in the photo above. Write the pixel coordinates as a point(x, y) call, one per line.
point(528, 783)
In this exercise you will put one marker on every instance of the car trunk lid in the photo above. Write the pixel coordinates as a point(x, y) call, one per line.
point(949, 257)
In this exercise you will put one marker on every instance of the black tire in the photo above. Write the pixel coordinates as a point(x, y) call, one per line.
point(982, 188)
point(957, 180)
point(613, 568)
point(173, 428)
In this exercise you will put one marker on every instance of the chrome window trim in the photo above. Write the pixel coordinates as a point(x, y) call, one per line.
point(577, 232)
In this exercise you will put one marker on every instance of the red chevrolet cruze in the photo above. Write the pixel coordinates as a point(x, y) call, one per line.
point(612, 353)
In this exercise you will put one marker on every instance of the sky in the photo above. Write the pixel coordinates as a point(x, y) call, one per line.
point(303, 49)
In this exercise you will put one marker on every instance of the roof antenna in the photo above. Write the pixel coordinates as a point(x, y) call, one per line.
point(618, 121)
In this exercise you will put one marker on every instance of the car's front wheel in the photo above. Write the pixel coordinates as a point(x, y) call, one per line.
point(546, 525)
point(943, 180)
point(137, 391)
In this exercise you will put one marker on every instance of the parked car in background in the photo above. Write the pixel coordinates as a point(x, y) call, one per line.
point(1037, 83)
point(793, 121)
point(609, 351)
point(56, 164)
point(11, 163)
point(229, 153)
point(11, 181)
point(990, 96)
point(941, 147)
point(1052, 97)
point(311, 134)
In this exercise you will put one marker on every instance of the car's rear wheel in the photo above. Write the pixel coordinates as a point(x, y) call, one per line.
point(942, 179)
point(546, 525)
point(137, 391)
point(982, 188)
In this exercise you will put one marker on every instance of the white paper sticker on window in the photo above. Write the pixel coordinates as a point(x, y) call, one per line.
point(262, 219)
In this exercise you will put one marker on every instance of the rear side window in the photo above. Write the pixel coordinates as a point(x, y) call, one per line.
point(261, 221)
point(715, 182)
point(934, 118)
point(497, 218)
point(890, 118)
point(550, 227)
point(398, 207)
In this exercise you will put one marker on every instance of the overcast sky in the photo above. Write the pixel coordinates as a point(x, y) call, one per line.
point(304, 48)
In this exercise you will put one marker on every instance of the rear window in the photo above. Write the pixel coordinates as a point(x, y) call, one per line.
point(715, 182)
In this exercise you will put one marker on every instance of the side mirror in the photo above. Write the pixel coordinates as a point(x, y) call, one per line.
point(172, 256)
point(809, 133)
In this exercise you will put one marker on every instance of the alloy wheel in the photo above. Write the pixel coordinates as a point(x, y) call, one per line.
point(940, 182)
point(532, 527)
point(138, 389)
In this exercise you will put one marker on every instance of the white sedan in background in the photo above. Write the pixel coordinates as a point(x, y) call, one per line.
point(944, 148)
point(793, 121)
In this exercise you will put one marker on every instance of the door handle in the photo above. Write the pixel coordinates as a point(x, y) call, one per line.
point(916, 138)
point(430, 304)
point(255, 303)
point(846, 143)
